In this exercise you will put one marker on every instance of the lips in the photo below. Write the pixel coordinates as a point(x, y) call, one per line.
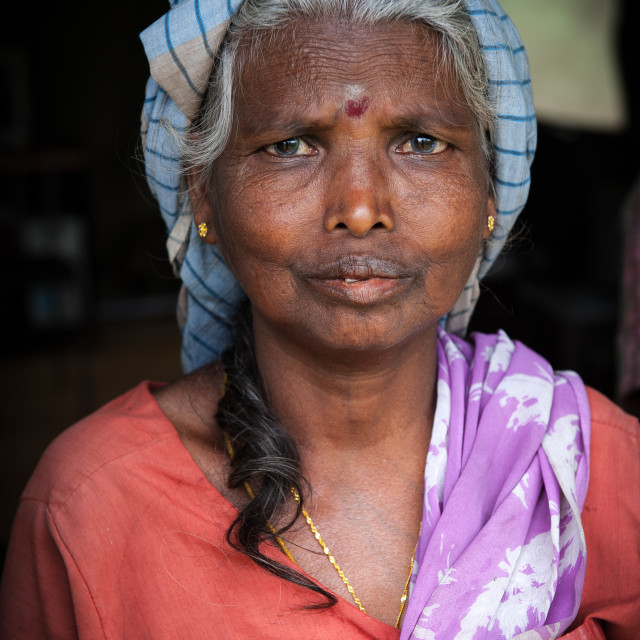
point(362, 280)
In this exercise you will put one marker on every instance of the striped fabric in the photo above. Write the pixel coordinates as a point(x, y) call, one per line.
point(181, 48)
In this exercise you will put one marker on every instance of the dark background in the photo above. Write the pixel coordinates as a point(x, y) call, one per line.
point(87, 296)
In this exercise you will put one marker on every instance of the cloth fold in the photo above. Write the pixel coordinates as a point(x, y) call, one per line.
point(502, 550)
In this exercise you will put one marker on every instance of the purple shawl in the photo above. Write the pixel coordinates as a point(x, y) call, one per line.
point(502, 551)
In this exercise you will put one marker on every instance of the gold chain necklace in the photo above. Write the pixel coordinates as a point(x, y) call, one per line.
point(321, 542)
point(317, 535)
point(328, 553)
point(344, 578)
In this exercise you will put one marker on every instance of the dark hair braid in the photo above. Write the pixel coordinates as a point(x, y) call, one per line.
point(265, 456)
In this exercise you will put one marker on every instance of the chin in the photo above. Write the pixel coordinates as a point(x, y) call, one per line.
point(363, 334)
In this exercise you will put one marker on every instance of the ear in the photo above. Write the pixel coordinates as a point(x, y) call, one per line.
point(491, 211)
point(202, 210)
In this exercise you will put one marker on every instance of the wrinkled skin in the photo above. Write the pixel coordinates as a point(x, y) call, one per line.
point(355, 199)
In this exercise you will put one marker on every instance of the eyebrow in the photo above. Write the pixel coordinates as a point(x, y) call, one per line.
point(290, 125)
point(299, 121)
point(425, 118)
point(297, 124)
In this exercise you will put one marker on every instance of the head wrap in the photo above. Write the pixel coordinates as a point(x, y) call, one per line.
point(181, 49)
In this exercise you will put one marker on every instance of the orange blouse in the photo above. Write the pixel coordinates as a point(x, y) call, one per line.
point(119, 535)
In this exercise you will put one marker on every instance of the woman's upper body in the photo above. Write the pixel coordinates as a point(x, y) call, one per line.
point(121, 534)
point(349, 162)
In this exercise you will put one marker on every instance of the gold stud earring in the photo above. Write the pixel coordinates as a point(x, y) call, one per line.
point(491, 221)
point(203, 229)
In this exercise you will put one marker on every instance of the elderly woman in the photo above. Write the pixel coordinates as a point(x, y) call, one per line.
point(336, 176)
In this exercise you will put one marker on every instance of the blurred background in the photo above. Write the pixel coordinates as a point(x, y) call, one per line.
point(87, 296)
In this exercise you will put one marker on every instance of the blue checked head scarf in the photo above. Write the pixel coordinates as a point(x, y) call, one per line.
point(181, 48)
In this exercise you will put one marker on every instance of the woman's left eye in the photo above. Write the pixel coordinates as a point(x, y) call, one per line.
point(290, 147)
point(423, 144)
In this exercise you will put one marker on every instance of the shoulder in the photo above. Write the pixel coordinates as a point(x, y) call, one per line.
point(615, 450)
point(610, 418)
point(121, 428)
point(611, 520)
point(162, 421)
point(191, 404)
point(615, 458)
point(110, 498)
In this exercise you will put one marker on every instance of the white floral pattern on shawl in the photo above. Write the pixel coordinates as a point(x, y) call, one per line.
point(502, 550)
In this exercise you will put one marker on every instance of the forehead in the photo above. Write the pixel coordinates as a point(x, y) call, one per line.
point(307, 62)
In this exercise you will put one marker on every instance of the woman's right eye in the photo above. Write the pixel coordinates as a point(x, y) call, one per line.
point(290, 147)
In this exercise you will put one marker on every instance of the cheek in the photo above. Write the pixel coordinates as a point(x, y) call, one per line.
point(258, 223)
point(448, 218)
point(448, 214)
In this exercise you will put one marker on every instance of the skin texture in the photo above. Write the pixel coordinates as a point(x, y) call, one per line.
point(350, 250)
point(350, 194)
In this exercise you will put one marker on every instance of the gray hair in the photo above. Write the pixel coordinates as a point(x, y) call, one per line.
point(449, 19)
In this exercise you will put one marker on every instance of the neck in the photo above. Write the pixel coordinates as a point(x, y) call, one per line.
point(352, 409)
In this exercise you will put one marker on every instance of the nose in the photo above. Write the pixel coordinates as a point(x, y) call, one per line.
point(358, 199)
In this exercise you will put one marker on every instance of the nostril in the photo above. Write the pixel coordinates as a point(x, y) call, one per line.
point(358, 212)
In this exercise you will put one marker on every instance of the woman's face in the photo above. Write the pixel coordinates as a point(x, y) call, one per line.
point(352, 198)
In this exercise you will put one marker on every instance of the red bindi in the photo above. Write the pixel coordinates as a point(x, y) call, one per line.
point(355, 108)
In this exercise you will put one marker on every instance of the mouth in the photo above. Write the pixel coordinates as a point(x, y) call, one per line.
point(362, 280)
